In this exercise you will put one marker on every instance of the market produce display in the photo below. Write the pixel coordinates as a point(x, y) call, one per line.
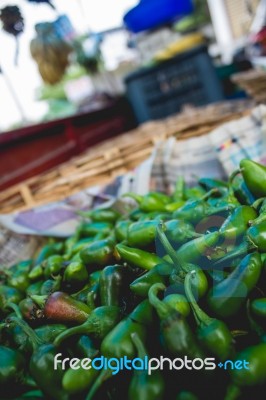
point(179, 277)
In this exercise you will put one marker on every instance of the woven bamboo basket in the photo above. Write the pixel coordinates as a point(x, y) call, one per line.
point(102, 163)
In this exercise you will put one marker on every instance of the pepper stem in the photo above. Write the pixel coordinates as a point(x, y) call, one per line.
point(39, 300)
point(139, 345)
point(15, 308)
point(200, 316)
point(161, 308)
point(83, 329)
point(168, 248)
point(105, 374)
point(35, 340)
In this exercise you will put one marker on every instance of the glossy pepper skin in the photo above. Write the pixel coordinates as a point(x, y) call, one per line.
point(41, 366)
point(226, 298)
point(241, 191)
point(101, 215)
point(121, 229)
point(77, 380)
point(93, 228)
point(152, 201)
point(176, 335)
point(159, 273)
point(142, 233)
point(257, 236)
point(113, 282)
point(258, 307)
point(213, 334)
point(62, 308)
point(136, 257)
point(118, 343)
point(235, 226)
point(47, 251)
point(254, 175)
point(144, 386)
point(53, 265)
point(76, 274)
point(9, 294)
point(98, 253)
point(11, 366)
point(178, 302)
point(99, 323)
point(178, 231)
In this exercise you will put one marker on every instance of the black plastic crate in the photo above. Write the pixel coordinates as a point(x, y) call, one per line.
point(162, 90)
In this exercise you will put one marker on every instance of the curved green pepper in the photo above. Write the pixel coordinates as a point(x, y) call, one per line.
point(113, 285)
point(153, 201)
point(77, 380)
point(76, 273)
point(226, 298)
point(212, 333)
point(142, 233)
point(99, 253)
point(159, 273)
point(9, 294)
point(256, 235)
point(254, 175)
point(121, 228)
point(11, 367)
point(136, 257)
point(101, 215)
point(258, 307)
point(235, 226)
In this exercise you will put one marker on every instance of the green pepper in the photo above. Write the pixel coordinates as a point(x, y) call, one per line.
point(179, 232)
point(159, 273)
point(252, 373)
point(258, 307)
point(153, 201)
point(186, 395)
point(236, 224)
point(99, 323)
point(181, 266)
point(113, 285)
point(136, 257)
point(93, 295)
point(48, 333)
point(11, 367)
point(101, 215)
point(51, 285)
point(76, 274)
point(41, 366)
point(194, 193)
point(29, 310)
point(226, 298)
point(98, 254)
point(176, 336)
point(49, 250)
point(34, 288)
point(142, 233)
point(254, 175)
point(37, 272)
point(78, 246)
point(85, 347)
point(241, 191)
point(19, 280)
point(210, 183)
point(256, 235)
point(53, 265)
point(213, 334)
point(178, 302)
point(9, 294)
point(94, 228)
point(118, 342)
point(62, 308)
point(143, 385)
point(77, 380)
point(179, 190)
point(121, 228)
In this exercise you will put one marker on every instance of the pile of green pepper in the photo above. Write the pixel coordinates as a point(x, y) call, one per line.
point(180, 275)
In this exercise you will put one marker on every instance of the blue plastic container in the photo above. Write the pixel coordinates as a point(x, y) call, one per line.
point(149, 14)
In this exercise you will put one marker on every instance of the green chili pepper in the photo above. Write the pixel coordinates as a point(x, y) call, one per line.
point(11, 367)
point(241, 191)
point(118, 342)
point(121, 228)
point(92, 295)
point(78, 246)
point(41, 365)
point(76, 274)
point(78, 380)
point(85, 347)
point(19, 280)
point(181, 266)
point(213, 334)
point(136, 257)
point(258, 307)
point(29, 310)
point(99, 253)
point(152, 201)
point(257, 236)
point(185, 395)
point(159, 273)
point(210, 183)
point(51, 285)
point(34, 288)
point(99, 323)
point(176, 335)
point(48, 333)
point(226, 298)
point(94, 228)
point(9, 294)
point(49, 250)
point(254, 175)
point(179, 191)
point(53, 266)
point(141, 234)
point(235, 226)
point(36, 273)
point(143, 385)
point(178, 302)
point(114, 281)
point(101, 215)
point(252, 373)
point(62, 308)
point(180, 232)
point(194, 193)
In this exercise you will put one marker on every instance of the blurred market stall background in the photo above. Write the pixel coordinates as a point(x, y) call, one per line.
point(76, 73)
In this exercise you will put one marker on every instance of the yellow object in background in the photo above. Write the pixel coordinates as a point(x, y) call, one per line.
point(185, 43)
